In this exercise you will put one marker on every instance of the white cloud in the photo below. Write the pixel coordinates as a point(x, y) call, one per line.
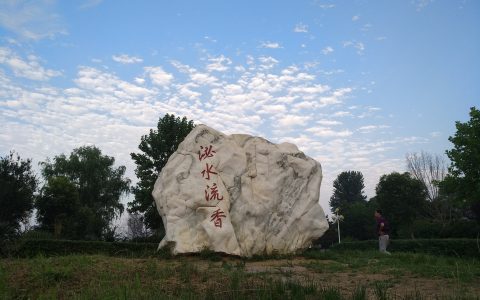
point(327, 50)
point(262, 97)
point(106, 84)
point(158, 76)
point(139, 80)
point(29, 68)
point(301, 28)
point(366, 27)
point(370, 128)
point(219, 64)
point(34, 20)
point(240, 68)
point(270, 45)
point(355, 18)
point(331, 72)
point(267, 62)
point(329, 122)
point(357, 45)
point(421, 4)
point(309, 89)
point(210, 39)
point(203, 78)
point(293, 120)
point(328, 132)
point(197, 77)
point(342, 114)
point(273, 109)
point(324, 4)
point(186, 91)
point(126, 59)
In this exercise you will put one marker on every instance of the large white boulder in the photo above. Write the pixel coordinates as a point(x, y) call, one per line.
point(240, 195)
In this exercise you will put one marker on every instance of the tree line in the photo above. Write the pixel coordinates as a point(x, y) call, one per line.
point(79, 195)
point(430, 200)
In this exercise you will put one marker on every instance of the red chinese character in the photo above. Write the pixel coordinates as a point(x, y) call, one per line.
point(217, 218)
point(205, 152)
point(213, 194)
point(208, 171)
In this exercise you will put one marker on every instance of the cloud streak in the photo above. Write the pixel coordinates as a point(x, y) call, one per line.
point(29, 67)
point(126, 59)
point(33, 20)
point(260, 96)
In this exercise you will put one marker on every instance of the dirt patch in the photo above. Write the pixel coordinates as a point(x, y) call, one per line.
point(347, 280)
point(29, 278)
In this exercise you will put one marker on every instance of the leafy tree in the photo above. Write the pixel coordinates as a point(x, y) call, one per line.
point(348, 189)
point(464, 172)
point(17, 187)
point(358, 222)
point(57, 206)
point(402, 199)
point(99, 184)
point(156, 147)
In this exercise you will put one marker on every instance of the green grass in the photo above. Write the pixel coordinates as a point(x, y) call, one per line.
point(209, 276)
point(431, 266)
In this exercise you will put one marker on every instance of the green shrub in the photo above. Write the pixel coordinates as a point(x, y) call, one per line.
point(31, 248)
point(449, 247)
point(428, 229)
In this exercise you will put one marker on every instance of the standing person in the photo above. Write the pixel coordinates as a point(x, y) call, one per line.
point(382, 230)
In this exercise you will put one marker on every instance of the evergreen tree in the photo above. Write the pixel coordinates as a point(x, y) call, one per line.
point(348, 189)
point(156, 147)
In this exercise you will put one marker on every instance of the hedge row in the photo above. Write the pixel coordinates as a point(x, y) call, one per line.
point(450, 247)
point(29, 248)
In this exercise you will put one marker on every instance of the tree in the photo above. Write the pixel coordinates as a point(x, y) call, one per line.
point(17, 188)
point(358, 222)
point(348, 189)
point(429, 169)
point(402, 199)
point(136, 226)
point(464, 171)
point(99, 184)
point(57, 206)
point(156, 147)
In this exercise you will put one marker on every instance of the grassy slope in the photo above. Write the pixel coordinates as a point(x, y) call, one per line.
point(329, 275)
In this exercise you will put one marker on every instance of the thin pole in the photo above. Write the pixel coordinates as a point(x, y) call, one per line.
point(338, 227)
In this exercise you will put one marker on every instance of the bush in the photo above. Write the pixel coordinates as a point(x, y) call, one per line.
point(428, 229)
point(37, 234)
point(450, 247)
point(30, 248)
point(329, 238)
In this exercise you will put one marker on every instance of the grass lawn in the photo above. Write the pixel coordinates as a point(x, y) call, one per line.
point(314, 275)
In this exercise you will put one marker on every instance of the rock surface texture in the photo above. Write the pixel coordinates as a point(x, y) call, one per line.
point(240, 195)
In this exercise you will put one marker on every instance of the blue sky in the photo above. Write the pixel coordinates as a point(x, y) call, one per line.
point(354, 84)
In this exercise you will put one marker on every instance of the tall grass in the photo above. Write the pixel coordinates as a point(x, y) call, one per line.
point(201, 277)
